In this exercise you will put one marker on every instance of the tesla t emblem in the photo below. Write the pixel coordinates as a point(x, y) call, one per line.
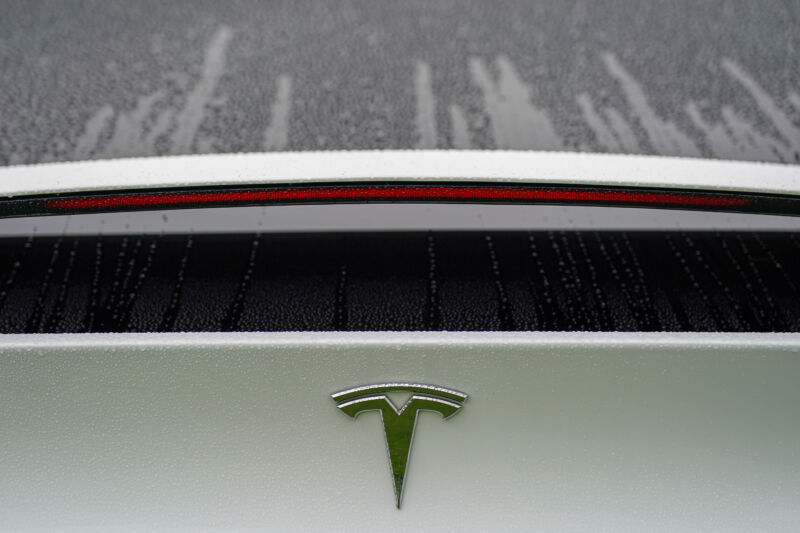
point(398, 424)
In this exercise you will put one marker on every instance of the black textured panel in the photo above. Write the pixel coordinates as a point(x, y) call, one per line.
point(569, 281)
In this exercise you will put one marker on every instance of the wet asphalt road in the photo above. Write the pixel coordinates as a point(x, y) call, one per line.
point(110, 78)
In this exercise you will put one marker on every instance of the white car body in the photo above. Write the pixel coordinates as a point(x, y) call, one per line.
point(562, 431)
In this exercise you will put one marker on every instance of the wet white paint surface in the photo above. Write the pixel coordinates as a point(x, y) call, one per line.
point(497, 166)
point(568, 432)
point(387, 217)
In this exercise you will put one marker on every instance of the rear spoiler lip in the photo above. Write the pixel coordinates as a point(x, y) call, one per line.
point(398, 177)
point(429, 166)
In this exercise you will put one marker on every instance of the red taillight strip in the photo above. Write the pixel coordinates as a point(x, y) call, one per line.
point(393, 192)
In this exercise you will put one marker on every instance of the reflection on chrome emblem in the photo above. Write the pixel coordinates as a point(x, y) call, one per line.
point(398, 424)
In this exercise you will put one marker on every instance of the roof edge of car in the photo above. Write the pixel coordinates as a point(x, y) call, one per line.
point(463, 166)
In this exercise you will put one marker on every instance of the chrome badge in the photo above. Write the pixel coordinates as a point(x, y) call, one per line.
point(399, 424)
